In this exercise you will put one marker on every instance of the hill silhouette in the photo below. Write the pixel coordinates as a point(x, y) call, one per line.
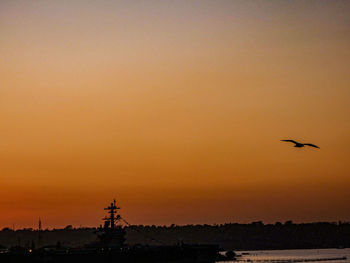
point(235, 236)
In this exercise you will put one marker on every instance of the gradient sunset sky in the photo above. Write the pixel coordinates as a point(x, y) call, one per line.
point(174, 108)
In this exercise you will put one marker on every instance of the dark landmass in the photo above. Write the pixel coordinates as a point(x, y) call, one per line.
point(229, 236)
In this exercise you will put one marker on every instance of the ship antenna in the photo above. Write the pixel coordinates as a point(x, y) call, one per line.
point(114, 217)
point(39, 232)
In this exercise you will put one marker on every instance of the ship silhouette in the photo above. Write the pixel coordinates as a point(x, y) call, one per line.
point(111, 235)
point(110, 247)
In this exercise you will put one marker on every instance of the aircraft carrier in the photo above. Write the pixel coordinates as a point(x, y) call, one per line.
point(110, 247)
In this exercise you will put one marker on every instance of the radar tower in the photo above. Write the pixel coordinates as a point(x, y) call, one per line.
point(113, 217)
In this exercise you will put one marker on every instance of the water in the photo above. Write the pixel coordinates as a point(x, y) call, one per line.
point(295, 256)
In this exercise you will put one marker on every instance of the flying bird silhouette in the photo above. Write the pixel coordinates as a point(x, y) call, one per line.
point(300, 145)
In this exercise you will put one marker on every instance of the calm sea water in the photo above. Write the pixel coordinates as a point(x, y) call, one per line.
point(295, 256)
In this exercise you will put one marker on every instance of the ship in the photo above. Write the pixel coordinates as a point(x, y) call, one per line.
point(112, 234)
point(111, 247)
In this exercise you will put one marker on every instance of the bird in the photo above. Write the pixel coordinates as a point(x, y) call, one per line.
point(300, 145)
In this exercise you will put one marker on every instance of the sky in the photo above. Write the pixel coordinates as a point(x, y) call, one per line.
point(174, 108)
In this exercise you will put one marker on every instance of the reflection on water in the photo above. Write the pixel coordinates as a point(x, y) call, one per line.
point(300, 255)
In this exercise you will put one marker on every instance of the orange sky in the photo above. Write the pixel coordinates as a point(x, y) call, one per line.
point(176, 108)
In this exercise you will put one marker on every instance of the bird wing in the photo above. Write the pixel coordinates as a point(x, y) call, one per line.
point(312, 145)
point(289, 141)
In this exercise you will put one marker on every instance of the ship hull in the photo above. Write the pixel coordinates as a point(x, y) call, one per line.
point(162, 254)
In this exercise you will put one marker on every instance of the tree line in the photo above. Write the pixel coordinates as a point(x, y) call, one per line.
point(256, 235)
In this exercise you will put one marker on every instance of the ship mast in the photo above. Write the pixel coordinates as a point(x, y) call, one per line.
point(112, 235)
point(113, 216)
